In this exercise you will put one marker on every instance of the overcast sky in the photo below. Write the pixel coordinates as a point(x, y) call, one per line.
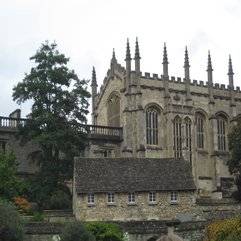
point(88, 30)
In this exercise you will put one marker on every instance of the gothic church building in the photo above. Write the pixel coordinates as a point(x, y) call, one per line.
point(159, 116)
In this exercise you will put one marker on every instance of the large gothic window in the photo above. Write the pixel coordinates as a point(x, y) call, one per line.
point(177, 134)
point(113, 111)
point(188, 139)
point(200, 130)
point(221, 129)
point(152, 126)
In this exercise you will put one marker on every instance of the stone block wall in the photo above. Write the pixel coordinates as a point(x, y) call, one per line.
point(140, 210)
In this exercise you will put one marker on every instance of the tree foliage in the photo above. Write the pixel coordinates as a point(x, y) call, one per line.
point(234, 141)
point(234, 163)
point(10, 185)
point(76, 231)
point(11, 224)
point(224, 230)
point(104, 231)
point(59, 109)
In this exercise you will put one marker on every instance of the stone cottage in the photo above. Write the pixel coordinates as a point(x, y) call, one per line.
point(124, 189)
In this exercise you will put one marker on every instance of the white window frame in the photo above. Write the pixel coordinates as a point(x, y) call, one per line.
point(91, 198)
point(132, 197)
point(174, 197)
point(152, 197)
point(111, 198)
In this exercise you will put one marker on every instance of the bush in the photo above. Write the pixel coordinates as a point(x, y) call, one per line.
point(10, 185)
point(76, 232)
point(224, 230)
point(22, 203)
point(11, 224)
point(104, 231)
point(37, 217)
point(60, 200)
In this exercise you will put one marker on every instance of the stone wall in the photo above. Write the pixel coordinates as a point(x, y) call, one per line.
point(135, 230)
point(38, 231)
point(140, 210)
point(25, 166)
point(149, 230)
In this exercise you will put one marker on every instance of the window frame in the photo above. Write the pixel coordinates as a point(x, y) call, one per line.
point(113, 110)
point(91, 198)
point(131, 197)
point(177, 136)
point(174, 197)
point(188, 138)
point(111, 198)
point(200, 133)
point(221, 133)
point(152, 197)
point(152, 126)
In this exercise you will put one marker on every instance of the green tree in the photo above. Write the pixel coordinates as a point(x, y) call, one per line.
point(10, 185)
point(234, 163)
point(76, 232)
point(11, 224)
point(104, 231)
point(234, 141)
point(59, 109)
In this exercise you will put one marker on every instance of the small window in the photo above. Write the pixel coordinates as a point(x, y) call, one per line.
point(107, 153)
point(173, 196)
point(132, 198)
point(111, 198)
point(152, 197)
point(91, 198)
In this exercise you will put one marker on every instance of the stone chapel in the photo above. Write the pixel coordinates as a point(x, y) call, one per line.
point(160, 116)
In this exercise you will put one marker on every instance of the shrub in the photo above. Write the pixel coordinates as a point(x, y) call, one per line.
point(76, 232)
point(224, 230)
point(60, 200)
point(22, 203)
point(37, 217)
point(10, 185)
point(11, 224)
point(104, 231)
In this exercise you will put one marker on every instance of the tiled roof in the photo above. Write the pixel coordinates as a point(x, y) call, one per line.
point(132, 174)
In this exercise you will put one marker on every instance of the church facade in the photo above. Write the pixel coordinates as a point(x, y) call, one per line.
point(159, 116)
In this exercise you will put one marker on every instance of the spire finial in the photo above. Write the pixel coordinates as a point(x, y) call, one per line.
point(137, 51)
point(113, 55)
point(93, 82)
point(165, 59)
point(128, 54)
point(209, 69)
point(230, 66)
point(186, 59)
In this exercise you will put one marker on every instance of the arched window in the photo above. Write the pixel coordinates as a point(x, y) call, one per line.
point(188, 138)
point(200, 130)
point(113, 111)
point(221, 130)
point(152, 126)
point(177, 134)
